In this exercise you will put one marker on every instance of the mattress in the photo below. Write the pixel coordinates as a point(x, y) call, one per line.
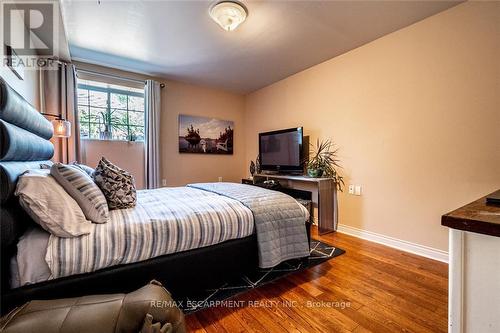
point(29, 265)
point(165, 221)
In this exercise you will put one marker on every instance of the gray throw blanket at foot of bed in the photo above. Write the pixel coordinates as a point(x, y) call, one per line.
point(279, 220)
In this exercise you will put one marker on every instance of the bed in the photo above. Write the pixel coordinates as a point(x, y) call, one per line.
point(186, 237)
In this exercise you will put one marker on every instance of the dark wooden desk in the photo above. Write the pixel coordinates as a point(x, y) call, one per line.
point(476, 217)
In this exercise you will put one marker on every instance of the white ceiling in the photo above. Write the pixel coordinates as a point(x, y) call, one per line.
point(178, 39)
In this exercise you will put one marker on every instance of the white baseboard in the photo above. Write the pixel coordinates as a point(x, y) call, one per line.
point(399, 244)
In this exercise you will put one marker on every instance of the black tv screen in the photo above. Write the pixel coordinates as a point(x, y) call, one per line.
point(281, 150)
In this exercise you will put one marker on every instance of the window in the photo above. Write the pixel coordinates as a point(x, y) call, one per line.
point(110, 112)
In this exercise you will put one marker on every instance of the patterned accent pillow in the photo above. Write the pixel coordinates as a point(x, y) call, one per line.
point(117, 185)
point(83, 189)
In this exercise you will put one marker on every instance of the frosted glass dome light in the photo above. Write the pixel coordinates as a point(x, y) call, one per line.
point(229, 15)
point(62, 128)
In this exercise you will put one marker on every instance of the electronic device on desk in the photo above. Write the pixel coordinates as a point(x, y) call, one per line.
point(282, 151)
point(271, 184)
point(247, 181)
point(493, 198)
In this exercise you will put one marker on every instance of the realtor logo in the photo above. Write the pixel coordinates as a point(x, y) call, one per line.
point(29, 27)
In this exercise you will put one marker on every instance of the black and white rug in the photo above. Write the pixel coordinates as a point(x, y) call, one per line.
point(320, 252)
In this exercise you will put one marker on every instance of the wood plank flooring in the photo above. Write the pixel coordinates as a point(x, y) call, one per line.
point(370, 288)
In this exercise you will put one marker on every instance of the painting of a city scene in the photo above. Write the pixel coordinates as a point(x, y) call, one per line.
point(203, 135)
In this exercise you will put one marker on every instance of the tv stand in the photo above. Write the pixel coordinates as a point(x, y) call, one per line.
point(326, 196)
point(281, 173)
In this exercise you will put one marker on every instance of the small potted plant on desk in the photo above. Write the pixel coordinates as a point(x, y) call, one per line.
point(323, 162)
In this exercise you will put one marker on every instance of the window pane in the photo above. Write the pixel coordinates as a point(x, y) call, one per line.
point(136, 133)
point(136, 118)
point(119, 117)
point(83, 114)
point(83, 95)
point(120, 132)
point(97, 115)
point(118, 101)
point(84, 130)
point(98, 98)
point(136, 103)
point(112, 107)
point(94, 131)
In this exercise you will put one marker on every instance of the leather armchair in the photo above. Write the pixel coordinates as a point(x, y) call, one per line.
point(150, 309)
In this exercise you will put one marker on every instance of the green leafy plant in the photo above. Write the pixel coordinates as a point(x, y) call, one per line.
point(323, 161)
point(107, 118)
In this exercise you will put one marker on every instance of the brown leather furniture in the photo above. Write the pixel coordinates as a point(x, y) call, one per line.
point(147, 310)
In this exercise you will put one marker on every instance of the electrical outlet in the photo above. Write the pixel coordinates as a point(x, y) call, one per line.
point(163, 182)
point(220, 179)
point(357, 190)
point(351, 189)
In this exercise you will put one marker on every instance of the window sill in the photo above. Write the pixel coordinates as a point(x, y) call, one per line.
point(111, 140)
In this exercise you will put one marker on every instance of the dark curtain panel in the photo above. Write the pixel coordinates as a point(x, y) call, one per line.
point(58, 96)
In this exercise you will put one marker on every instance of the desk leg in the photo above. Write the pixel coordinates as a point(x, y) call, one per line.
point(327, 207)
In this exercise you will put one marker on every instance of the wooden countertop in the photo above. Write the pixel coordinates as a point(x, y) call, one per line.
point(476, 217)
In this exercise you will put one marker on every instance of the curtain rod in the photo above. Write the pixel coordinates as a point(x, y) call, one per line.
point(162, 85)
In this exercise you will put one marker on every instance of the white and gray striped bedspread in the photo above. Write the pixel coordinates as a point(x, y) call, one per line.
point(165, 220)
point(279, 220)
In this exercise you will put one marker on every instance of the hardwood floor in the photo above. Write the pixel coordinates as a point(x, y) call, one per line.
point(370, 288)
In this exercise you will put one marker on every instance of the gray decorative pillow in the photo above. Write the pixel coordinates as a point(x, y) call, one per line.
point(83, 189)
point(88, 170)
point(117, 185)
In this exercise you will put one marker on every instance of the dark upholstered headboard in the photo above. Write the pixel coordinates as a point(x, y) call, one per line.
point(24, 144)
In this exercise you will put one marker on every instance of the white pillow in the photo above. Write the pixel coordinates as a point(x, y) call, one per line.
point(50, 205)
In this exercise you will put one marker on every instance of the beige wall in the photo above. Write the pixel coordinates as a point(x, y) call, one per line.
point(180, 169)
point(128, 155)
point(29, 88)
point(179, 98)
point(415, 113)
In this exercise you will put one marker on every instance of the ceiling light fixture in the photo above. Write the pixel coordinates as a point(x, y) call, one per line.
point(228, 14)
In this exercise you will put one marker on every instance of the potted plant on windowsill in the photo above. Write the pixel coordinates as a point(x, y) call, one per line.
point(323, 162)
point(107, 118)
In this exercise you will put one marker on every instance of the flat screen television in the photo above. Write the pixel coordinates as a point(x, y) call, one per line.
point(281, 150)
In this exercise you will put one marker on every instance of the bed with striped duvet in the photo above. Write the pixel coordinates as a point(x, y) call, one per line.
point(165, 221)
